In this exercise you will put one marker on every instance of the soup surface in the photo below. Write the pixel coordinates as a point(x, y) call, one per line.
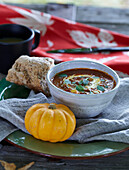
point(84, 81)
point(11, 40)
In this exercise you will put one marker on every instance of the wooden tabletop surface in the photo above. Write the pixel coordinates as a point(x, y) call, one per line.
point(107, 18)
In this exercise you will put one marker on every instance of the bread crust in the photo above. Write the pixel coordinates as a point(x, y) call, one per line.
point(31, 72)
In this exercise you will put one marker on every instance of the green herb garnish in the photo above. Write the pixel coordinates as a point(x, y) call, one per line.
point(73, 82)
point(91, 92)
point(101, 88)
point(95, 77)
point(102, 80)
point(85, 81)
point(106, 86)
point(79, 88)
point(62, 75)
point(82, 76)
point(67, 81)
point(81, 82)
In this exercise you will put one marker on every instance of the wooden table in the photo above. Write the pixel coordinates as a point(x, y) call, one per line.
point(108, 18)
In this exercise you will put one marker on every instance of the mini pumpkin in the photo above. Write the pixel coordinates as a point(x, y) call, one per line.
point(50, 122)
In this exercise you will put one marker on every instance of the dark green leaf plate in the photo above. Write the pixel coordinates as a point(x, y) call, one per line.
point(65, 150)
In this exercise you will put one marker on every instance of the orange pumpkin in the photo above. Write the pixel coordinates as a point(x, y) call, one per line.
point(50, 122)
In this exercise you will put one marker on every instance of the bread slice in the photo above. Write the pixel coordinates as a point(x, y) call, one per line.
point(31, 72)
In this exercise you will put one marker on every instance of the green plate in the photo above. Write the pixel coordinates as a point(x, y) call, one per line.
point(67, 149)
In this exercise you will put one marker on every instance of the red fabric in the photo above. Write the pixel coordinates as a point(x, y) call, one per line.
point(59, 33)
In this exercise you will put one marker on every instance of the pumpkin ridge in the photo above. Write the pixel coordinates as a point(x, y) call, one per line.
point(63, 125)
point(70, 125)
point(38, 127)
point(52, 124)
point(60, 106)
point(43, 124)
point(29, 113)
point(37, 112)
point(66, 125)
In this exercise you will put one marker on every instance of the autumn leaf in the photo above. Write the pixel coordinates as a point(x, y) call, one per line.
point(12, 166)
point(26, 166)
point(8, 166)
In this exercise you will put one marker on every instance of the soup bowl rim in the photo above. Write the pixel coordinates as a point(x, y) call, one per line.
point(82, 95)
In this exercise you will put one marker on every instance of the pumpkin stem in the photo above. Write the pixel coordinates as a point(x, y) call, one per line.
point(52, 106)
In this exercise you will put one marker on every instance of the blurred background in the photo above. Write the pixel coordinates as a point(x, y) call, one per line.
point(108, 3)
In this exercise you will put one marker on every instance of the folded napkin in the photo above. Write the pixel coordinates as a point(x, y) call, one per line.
point(112, 124)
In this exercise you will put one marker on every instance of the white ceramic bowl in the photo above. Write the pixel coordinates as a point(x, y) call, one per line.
point(83, 106)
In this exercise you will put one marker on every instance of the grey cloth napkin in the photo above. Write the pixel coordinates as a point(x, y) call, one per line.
point(112, 124)
point(12, 113)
